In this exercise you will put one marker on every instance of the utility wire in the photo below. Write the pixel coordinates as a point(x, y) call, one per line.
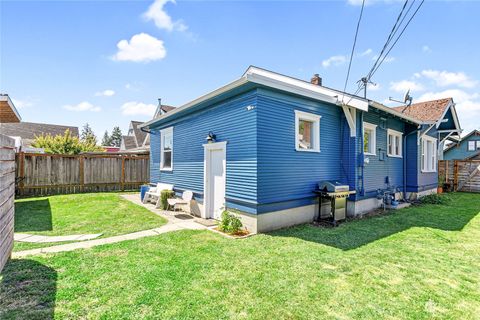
point(395, 28)
point(353, 47)
point(401, 33)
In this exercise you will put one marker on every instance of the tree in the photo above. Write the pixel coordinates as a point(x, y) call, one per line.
point(64, 144)
point(87, 134)
point(116, 137)
point(107, 140)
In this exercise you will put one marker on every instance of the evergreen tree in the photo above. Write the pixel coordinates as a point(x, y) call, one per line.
point(87, 135)
point(116, 138)
point(107, 140)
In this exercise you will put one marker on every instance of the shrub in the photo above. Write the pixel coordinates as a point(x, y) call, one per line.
point(230, 223)
point(164, 195)
point(64, 144)
point(436, 199)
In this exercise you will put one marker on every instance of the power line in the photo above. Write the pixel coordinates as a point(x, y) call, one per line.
point(401, 33)
point(353, 47)
point(395, 28)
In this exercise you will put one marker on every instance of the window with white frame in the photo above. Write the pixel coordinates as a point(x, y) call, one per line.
point(166, 149)
point(429, 154)
point(478, 145)
point(471, 145)
point(369, 138)
point(307, 131)
point(394, 140)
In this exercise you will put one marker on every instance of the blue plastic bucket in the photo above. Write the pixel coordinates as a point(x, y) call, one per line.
point(143, 190)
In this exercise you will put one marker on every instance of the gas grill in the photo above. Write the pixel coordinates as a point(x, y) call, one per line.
point(332, 201)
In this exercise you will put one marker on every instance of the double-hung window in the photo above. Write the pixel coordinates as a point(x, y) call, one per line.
point(429, 154)
point(369, 139)
point(394, 140)
point(166, 149)
point(307, 131)
point(471, 145)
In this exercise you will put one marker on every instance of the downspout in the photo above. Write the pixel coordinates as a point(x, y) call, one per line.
point(405, 162)
point(362, 191)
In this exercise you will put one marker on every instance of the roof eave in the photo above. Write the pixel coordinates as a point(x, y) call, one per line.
point(391, 111)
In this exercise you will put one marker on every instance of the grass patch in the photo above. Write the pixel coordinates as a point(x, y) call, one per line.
point(421, 262)
point(106, 213)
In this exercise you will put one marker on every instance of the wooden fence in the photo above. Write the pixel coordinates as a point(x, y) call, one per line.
point(7, 192)
point(47, 174)
point(462, 175)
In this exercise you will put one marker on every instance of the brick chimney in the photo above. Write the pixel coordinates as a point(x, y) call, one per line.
point(316, 79)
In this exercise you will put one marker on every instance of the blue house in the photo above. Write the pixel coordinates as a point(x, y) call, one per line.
point(275, 137)
point(467, 149)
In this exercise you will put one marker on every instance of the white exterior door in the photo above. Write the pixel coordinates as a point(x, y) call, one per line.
point(214, 179)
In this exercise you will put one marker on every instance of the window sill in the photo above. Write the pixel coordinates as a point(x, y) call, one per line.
point(393, 156)
point(307, 150)
point(167, 170)
point(424, 171)
point(369, 154)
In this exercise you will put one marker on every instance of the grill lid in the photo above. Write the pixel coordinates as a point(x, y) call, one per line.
point(332, 186)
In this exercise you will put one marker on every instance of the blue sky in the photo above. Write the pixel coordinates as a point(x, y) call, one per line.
point(107, 62)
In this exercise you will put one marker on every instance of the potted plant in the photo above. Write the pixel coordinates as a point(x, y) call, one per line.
point(441, 183)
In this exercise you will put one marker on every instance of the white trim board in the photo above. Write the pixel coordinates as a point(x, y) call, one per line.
point(206, 171)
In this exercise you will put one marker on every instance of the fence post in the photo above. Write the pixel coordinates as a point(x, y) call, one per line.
point(455, 175)
point(81, 173)
point(122, 182)
point(21, 172)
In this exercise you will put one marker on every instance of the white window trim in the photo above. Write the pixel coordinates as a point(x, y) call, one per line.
point(474, 145)
point(373, 127)
point(395, 133)
point(477, 145)
point(315, 118)
point(163, 132)
point(435, 154)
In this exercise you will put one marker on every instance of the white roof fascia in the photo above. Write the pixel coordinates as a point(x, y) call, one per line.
point(396, 113)
point(304, 88)
point(6, 97)
point(212, 94)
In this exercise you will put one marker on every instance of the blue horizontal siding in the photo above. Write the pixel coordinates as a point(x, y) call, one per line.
point(230, 121)
point(285, 174)
point(377, 171)
point(460, 152)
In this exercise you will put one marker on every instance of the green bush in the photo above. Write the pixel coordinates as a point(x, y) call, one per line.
point(435, 199)
point(65, 144)
point(230, 223)
point(164, 195)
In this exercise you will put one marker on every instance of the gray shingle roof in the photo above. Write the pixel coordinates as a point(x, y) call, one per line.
point(29, 130)
point(128, 142)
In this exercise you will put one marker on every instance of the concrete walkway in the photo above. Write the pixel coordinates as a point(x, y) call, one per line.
point(175, 222)
point(33, 238)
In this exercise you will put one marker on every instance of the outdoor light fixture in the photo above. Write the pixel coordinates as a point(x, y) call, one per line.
point(211, 137)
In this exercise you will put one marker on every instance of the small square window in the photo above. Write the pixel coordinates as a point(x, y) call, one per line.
point(394, 143)
point(471, 145)
point(307, 131)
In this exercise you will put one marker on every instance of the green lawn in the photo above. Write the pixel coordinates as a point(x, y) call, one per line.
point(418, 263)
point(89, 213)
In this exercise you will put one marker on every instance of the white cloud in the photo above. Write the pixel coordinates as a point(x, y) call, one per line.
point(404, 85)
point(134, 108)
point(141, 48)
point(366, 53)
point(20, 104)
point(445, 78)
point(82, 106)
point(334, 60)
point(161, 18)
point(105, 93)
point(426, 49)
